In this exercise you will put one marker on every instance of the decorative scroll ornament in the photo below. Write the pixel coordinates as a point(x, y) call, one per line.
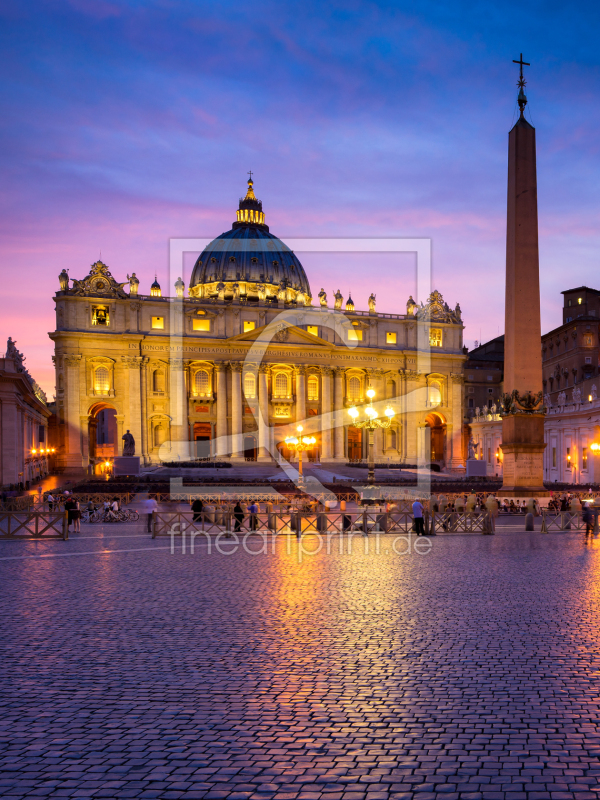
point(526, 403)
point(99, 282)
point(437, 310)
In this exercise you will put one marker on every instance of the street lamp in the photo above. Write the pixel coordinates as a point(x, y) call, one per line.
point(370, 423)
point(299, 444)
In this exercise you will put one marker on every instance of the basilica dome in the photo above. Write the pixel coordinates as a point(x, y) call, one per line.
point(249, 262)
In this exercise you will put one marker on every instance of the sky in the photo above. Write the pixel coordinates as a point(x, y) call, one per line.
point(125, 123)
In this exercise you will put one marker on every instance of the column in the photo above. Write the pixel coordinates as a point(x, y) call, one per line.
point(134, 423)
point(72, 458)
point(263, 414)
point(300, 373)
point(237, 443)
point(326, 416)
point(221, 448)
point(338, 406)
point(144, 407)
point(376, 377)
point(178, 405)
point(457, 463)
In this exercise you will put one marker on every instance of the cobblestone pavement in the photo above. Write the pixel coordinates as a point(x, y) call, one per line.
point(470, 672)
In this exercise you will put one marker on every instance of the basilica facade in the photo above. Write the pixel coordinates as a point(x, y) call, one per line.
point(231, 369)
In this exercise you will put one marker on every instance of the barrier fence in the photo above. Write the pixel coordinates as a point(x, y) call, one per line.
point(167, 523)
point(34, 525)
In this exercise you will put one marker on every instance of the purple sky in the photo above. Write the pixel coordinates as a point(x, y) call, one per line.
point(126, 123)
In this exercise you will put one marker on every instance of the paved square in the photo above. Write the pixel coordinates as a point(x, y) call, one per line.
point(471, 672)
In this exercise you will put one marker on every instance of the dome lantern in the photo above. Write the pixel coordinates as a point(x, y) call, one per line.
point(250, 209)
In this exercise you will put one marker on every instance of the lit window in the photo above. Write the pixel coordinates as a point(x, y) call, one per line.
point(313, 329)
point(249, 385)
point(391, 337)
point(158, 380)
point(100, 315)
point(355, 336)
point(354, 388)
point(435, 337)
point(313, 387)
point(249, 326)
point(579, 300)
point(435, 395)
point(101, 381)
point(158, 323)
point(280, 385)
point(201, 325)
point(201, 382)
point(584, 458)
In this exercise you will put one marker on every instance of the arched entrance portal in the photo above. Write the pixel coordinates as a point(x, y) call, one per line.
point(437, 432)
point(250, 450)
point(202, 439)
point(102, 436)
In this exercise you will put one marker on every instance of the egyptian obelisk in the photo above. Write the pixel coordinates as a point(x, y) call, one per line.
point(523, 420)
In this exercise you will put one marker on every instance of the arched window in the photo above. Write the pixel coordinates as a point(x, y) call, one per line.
point(435, 394)
point(280, 385)
point(160, 434)
point(249, 386)
point(60, 383)
point(313, 387)
point(354, 388)
point(391, 389)
point(201, 382)
point(393, 439)
point(101, 381)
point(158, 380)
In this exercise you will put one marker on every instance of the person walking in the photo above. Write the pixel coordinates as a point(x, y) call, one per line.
point(50, 500)
point(417, 507)
point(76, 515)
point(70, 507)
point(253, 509)
point(197, 509)
point(238, 513)
point(588, 518)
point(150, 506)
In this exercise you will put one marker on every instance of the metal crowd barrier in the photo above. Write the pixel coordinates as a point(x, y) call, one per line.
point(295, 522)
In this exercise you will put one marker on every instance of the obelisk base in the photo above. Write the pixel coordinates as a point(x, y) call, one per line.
point(523, 456)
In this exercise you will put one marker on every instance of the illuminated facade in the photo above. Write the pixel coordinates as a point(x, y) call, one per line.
point(231, 369)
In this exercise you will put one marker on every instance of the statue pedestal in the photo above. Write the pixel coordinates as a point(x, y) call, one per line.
point(476, 468)
point(126, 465)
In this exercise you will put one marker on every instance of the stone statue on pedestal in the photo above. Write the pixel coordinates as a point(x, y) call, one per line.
point(372, 303)
point(338, 300)
point(472, 453)
point(323, 298)
point(129, 446)
point(64, 280)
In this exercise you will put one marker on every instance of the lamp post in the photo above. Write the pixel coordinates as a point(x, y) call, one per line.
point(370, 424)
point(299, 444)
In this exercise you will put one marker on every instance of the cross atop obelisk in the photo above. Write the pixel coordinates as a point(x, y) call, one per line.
point(522, 99)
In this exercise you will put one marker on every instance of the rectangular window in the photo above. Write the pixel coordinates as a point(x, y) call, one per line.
point(471, 402)
point(158, 323)
point(355, 336)
point(568, 458)
point(313, 329)
point(201, 325)
point(41, 434)
point(249, 325)
point(554, 457)
point(435, 337)
point(588, 359)
point(584, 458)
point(490, 391)
point(471, 390)
point(391, 337)
point(490, 377)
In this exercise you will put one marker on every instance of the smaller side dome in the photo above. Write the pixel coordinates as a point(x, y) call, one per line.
point(155, 288)
point(349, 304)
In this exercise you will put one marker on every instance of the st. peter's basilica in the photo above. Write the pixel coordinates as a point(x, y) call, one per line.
point(231, 369)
